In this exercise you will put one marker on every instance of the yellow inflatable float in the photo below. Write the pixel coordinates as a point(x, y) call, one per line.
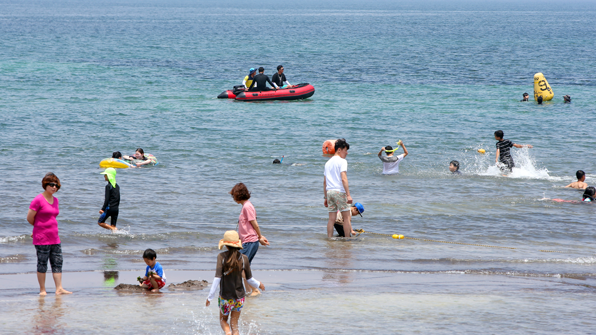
point(114, 163)
point(541, 88)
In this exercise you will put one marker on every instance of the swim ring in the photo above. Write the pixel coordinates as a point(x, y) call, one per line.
point(114, 163)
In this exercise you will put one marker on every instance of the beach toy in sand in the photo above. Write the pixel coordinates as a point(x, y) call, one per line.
point(482, 151)
point(400, 237)
point(541, 88)
point(329, 147)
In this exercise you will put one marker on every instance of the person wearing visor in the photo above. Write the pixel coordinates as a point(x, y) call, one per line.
point(247, 82)
point(390, 161)
point(356, 209)
point(279, 78)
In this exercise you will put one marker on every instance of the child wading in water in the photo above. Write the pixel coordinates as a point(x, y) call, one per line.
point(111, 202)
point(154, 278)
point(228, 276)
point(250, 232)
point(504, 160)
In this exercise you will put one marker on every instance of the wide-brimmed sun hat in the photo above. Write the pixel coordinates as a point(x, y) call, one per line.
point(231, 239)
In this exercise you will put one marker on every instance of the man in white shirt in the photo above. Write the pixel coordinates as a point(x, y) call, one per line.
point(335, 187)
point(391, 162)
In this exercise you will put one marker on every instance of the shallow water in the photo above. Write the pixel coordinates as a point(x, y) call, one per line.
point(78, 81)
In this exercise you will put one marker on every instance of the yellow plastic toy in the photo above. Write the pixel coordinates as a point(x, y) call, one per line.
point(541, 88)
point(481, 151)
point(400, 237)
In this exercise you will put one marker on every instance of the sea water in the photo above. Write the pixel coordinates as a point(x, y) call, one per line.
point(79, 80)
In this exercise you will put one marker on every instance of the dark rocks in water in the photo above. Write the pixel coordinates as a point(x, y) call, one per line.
point(129, 288)
point(189, 285)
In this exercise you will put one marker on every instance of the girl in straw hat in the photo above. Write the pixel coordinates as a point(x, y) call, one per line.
point(228, 276)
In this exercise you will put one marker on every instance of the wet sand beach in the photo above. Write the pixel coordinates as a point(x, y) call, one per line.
point(307, 302)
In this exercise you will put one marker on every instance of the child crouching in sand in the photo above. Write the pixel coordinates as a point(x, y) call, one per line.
point(155, 278)
point(228, 276)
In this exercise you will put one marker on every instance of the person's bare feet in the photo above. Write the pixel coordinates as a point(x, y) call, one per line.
point(62, 291)
point(254, 293)
point(43, 293)
point(155, 290)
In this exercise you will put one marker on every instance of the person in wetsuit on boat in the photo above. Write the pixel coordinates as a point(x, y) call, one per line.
point(260, 82)
point(279, 78)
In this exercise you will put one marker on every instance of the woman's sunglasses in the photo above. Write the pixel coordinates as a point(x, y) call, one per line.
point(53, 185)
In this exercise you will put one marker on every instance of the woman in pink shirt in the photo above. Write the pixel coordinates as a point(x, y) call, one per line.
point(42, 216)
point(248, 228)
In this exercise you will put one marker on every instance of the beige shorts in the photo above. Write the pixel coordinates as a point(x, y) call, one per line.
point(337, 201)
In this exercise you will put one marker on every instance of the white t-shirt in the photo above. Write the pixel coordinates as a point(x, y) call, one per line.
point(333, 169)
point(391, 163)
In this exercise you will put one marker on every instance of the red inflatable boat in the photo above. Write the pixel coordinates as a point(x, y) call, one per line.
point(300, 91)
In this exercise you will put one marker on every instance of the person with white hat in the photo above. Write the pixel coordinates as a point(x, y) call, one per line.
point(228, 277)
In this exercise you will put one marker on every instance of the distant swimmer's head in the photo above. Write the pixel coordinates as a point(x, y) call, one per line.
point(581, 175)
point(454, 166)
point(567, 98)
point(276, 161)
point(357, 209)
point(589, 194)
point(539, 99)
point(261, 69)
point(341, 147)
point(116, 155)
point(499, 135)
point(526, 97)
point(240, 192)
point(139, 153)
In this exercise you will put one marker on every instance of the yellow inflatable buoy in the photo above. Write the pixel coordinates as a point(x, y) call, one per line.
point(481, 151)
point(541, 88)
point(395, 236)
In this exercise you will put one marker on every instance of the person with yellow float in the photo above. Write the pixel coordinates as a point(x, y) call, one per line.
point(391, 162)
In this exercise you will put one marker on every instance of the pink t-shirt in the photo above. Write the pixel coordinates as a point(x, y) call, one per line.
point(245, 229)
point(45, 226)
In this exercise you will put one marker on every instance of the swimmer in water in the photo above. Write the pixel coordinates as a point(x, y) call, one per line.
point(138, 156)
point(356, 209)
point(580, 183)
point(391, 162)
point(116, 155)
point(566, 99)
point(454, 167)
point(539, 100)
point(589, 194)
point(276, 161)
point(526, 97)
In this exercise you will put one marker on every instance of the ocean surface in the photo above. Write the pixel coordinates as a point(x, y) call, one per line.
point(81, 79)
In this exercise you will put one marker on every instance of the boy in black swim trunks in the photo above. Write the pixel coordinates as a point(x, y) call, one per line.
point(504, 159)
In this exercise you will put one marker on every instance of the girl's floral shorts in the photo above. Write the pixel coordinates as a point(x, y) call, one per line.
point(230, 305)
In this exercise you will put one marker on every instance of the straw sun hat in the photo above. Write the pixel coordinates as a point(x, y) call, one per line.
point(230, 239)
